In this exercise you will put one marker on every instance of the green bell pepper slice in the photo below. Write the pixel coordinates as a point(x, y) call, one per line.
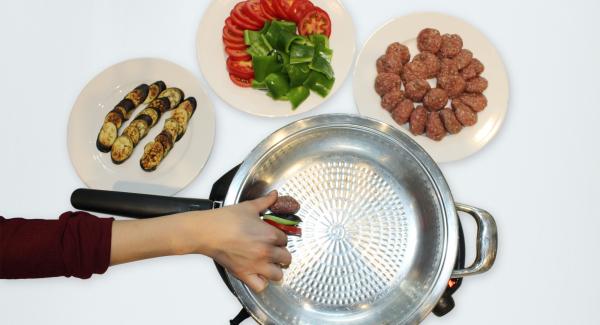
point(298, 73)
point(297, 96)
point(260, 47)
point(320, 41)
point(259, 85)
point(279, 220)
point(319, 83)
point(320, 63)
point(278, 85)
point(251, 36)
point(301, 53)
point(264, 66)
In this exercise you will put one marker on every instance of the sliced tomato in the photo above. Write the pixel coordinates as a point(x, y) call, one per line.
point(299, 8)
point(238, 55)
point(233, 28)
point(227, 35)
point(243, 21)
point(254, 10)
point(288, 230)
point(242, 69)
point(285, 6)
point(241, 82)
point(315, 21)
point(234, 45)
point(267, 7)
point(280, 9)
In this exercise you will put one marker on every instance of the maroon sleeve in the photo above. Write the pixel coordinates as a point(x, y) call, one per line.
point(77, 244)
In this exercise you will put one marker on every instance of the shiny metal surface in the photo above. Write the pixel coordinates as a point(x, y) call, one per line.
point(380, 226)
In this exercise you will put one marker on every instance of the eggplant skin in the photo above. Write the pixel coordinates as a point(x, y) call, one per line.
point(128, 106)
point(189, 105)
point(145, 118)
point(164, 138)
point(121, 150)
point(106, 137)
point(163, 104)
point(138, 95)
point(153, 115)
point(175, 96)
point(115, 117)
point(155, 89)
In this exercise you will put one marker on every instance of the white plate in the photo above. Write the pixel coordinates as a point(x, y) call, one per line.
point(211, 58)
point(102, 93)
point(405, 30)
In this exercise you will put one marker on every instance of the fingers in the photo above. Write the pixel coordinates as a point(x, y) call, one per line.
point(263, 203)
point(280, 238)
point(271, 271)
point(281, 256)
point(255, 282)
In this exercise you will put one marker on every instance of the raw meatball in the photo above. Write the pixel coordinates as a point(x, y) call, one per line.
point(416, 89)
point(418, 119)
point(476, 102)
point(448, 67)
point(400, 50)
point(451, 45)
point(474, 69)
point(285, 205)
point(463, 58)
point(477, 85)
point(403, 110)
point(453, 84)
point(391, 99)
point(431, 62)
point(414, 70)
point(389, 63)
point(429, 40)
point(451, 124)
point(463, 113)
point(386, 82)
point(435, 127)
point(435, 99)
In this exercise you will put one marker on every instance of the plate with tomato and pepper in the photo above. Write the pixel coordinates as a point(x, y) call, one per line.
point(275, 57)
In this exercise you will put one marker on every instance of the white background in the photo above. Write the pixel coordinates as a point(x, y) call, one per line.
point(539, 177)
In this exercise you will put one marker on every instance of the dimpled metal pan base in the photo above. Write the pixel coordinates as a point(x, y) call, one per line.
point(379, 225)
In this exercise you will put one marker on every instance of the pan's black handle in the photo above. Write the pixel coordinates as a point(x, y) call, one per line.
point(134, 205)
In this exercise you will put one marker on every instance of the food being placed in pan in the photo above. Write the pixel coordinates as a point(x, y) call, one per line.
point(443, 71)
point(120, 113)
point(174, 129)
point(143, 122)
point(283, 215)
point(281, 47)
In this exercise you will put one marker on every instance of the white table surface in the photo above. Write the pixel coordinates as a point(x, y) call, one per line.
point(539, 177)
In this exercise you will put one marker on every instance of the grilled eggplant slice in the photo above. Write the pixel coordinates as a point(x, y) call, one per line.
point(106, 136)
point(153, 115)
point(127, 106)
point(144, 118)
point(142, 127)
point(133, 133)
point(175, 96)
point(115, 117)
point(153, 155)
point(173, 127)
point(121, 149)
point(181, 116)
point(138, 95)
point(189, 104)
point(154, 90)
point(163, 104)
point(166, 140)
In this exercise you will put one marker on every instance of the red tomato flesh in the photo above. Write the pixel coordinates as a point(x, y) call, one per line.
point(238, 55)
point(242, 69)
point(241, 82)
point(315, 21)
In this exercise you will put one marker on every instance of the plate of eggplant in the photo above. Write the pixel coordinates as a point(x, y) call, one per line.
point(143, 125)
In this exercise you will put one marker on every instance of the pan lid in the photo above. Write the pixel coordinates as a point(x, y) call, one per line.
point(380, 229)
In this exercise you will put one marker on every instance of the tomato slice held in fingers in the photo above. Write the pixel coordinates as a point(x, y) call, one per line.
point(234, 45)
point(253, 9)
point(243, 21)
point(242, 69)
point(288, 230)
point(233, 28)
point(315, 21)
point(299, 8)
point(241, 82)
point(238, 55)
point(227, 35)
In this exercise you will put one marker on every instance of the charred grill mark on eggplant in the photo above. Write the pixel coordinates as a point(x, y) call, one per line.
point(138, 95)
point(154, 90)
point(173, 94)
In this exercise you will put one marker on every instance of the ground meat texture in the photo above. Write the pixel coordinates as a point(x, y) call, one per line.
point(476, 102)
point(450, 121)
point(416, 89)
point(435, 99)
point(451, 45)
point(453, 84)
point(391, 99)
point(403, 110)
point(463, 113)
point(448, 67)
point(463, 58)
point(430, 40)
point(285, 205)
point(474, 69)
point(389, 63)
point(435, 128)
point(431, 62)
point(386, 82)
point(477, 85)
point(414, 70)
point(418, 119)
point(400, 50)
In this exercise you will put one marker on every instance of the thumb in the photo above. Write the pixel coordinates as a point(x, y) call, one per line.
point(265, 202)
point(256, 282)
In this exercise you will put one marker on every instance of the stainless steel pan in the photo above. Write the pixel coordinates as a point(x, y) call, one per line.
point(380, 228)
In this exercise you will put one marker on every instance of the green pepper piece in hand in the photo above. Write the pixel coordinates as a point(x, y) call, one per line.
point(264, 66)
point(301, 53)
point(297, 73)
point(280, 220)
point(278, 85)
point(297, 96)
point(319, 83)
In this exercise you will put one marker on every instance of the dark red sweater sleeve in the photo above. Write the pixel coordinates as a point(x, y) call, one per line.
point(77, 244)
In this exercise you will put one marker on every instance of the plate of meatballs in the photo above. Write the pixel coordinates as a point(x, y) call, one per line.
point(436, 78)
